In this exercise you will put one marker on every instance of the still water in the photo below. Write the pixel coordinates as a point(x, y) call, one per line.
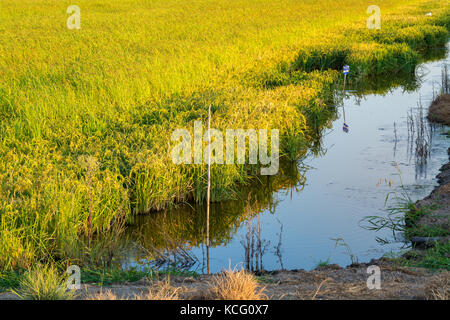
point(292, 221)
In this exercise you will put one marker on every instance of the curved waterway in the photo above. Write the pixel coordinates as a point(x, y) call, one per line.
point(293, 221)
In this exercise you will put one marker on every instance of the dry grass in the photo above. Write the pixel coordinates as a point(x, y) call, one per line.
point(236, 285)
point(440, 109)
point(108, 295)
point(438, 288)
point(161, 290)
point(320, 286)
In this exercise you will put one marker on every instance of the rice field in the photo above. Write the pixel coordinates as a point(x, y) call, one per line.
point(87, 114)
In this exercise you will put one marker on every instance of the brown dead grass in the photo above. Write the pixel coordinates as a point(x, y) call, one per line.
point(438, 288)
point(440, 109)
point(320, 286)
point(236, 285)
point(107, 295)
point(161, 290)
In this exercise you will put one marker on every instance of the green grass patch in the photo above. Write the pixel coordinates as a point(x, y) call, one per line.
point(436, 257)
point(10, 279)
point(109, 275)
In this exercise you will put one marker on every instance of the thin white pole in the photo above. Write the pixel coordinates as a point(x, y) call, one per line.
point(343, 95)
point(209, 185)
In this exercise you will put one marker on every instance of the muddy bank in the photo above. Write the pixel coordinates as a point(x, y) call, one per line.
point(437, 210)
point(433, 224)
point(326, 282)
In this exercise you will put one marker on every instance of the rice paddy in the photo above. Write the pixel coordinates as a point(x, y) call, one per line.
point(87, 114)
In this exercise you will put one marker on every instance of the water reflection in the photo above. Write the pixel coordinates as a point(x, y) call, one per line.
point(164, 239)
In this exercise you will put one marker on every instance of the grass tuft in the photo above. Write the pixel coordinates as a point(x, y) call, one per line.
point(236, 285)
point(43, 282)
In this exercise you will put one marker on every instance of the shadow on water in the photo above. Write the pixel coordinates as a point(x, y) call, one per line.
point(167, 239)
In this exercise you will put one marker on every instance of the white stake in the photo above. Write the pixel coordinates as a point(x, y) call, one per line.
point(209, 185)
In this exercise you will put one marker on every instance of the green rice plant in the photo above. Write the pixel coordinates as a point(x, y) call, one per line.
point(323, 57)
point(10, 279)
point(401, 219)
point(376, 59)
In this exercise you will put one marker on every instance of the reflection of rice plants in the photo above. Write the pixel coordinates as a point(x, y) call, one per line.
point(445, 86)
point(419, 139)
point(395, 138)
point(174, 255)
point(278, 251)
point(254, 246)
point(420, 131)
